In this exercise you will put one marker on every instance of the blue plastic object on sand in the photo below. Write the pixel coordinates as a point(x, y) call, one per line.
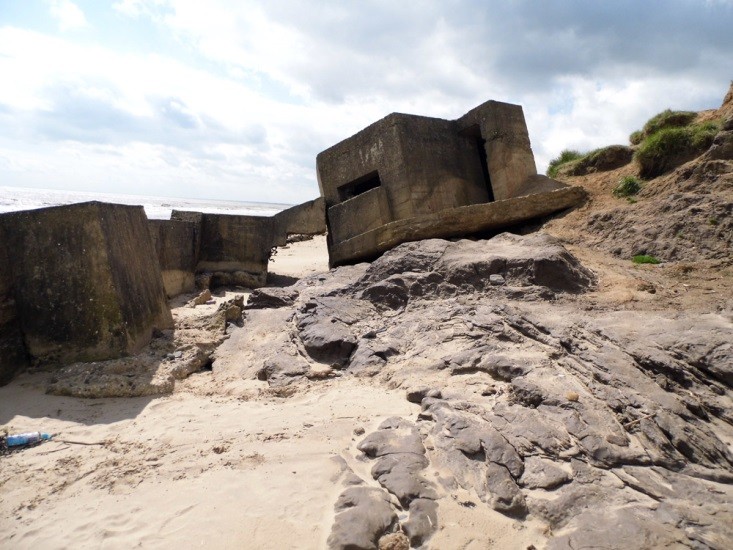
point(29, 438)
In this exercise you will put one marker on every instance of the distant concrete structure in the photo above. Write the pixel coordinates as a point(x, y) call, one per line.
point(85, 281)
point(230, 250)
point(410, 177)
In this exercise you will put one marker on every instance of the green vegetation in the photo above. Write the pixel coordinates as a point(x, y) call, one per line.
point(565, 156)
point(597, 160)
point(627, 187)
point(669, 147)
point(645, 259)
point(668, 119)
point(670, 138)
point(713, 221)
point(636, 137)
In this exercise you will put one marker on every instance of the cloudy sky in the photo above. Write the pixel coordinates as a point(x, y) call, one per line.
point(234, 99)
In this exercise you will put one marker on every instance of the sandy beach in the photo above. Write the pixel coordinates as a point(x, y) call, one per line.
point(222, 462)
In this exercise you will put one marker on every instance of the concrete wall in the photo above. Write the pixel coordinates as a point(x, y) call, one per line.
point(308, 218)
point(422, 163)
point(13, 355)
point(176, 245)
point(438, 169)
point(508, 150)
point(360, 214)
point(86, 281)
point(236, 249)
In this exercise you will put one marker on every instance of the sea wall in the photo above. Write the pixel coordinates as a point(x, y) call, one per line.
point(86, 281)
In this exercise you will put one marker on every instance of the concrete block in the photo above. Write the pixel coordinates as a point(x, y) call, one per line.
point(235, 250)
point(509, 156)
point(13, 354)
point(176, 245)
point(86, 281)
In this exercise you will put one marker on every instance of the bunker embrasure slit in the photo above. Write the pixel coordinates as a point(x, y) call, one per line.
point(359, 186)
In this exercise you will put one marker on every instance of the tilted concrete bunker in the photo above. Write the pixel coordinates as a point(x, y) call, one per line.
point(84, 281)
point(410, 177)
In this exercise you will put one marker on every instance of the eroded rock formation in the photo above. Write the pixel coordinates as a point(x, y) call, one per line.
point(604, 425)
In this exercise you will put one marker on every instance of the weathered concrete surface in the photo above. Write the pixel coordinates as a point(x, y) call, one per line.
point(422, 163)
point(233, 250)
point(177, 246)
point(308, 218)
point(173, 356)
point(365, 212)
point(407, 171)
point(508, 150)
point(454, 222)
point(86, 281)
point(13, 355)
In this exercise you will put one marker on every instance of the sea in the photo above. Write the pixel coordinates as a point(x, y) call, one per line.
point(13, 199)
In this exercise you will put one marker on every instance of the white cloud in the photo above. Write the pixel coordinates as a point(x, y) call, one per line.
point(137, 8)
point(251, 91)
point(69, 15)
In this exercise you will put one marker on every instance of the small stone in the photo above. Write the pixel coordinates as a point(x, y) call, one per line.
point(418, 394)
point(359, 430)
point(572, 396)
point(620, 440)
point(496, 279)
point(178, 354)
point(202, 298)
point(394, 541)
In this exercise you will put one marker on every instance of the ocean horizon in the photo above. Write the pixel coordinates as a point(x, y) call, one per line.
point(15, 199)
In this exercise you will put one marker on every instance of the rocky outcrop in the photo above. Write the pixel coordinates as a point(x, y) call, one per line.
point(687, 216)
point(583, 418)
